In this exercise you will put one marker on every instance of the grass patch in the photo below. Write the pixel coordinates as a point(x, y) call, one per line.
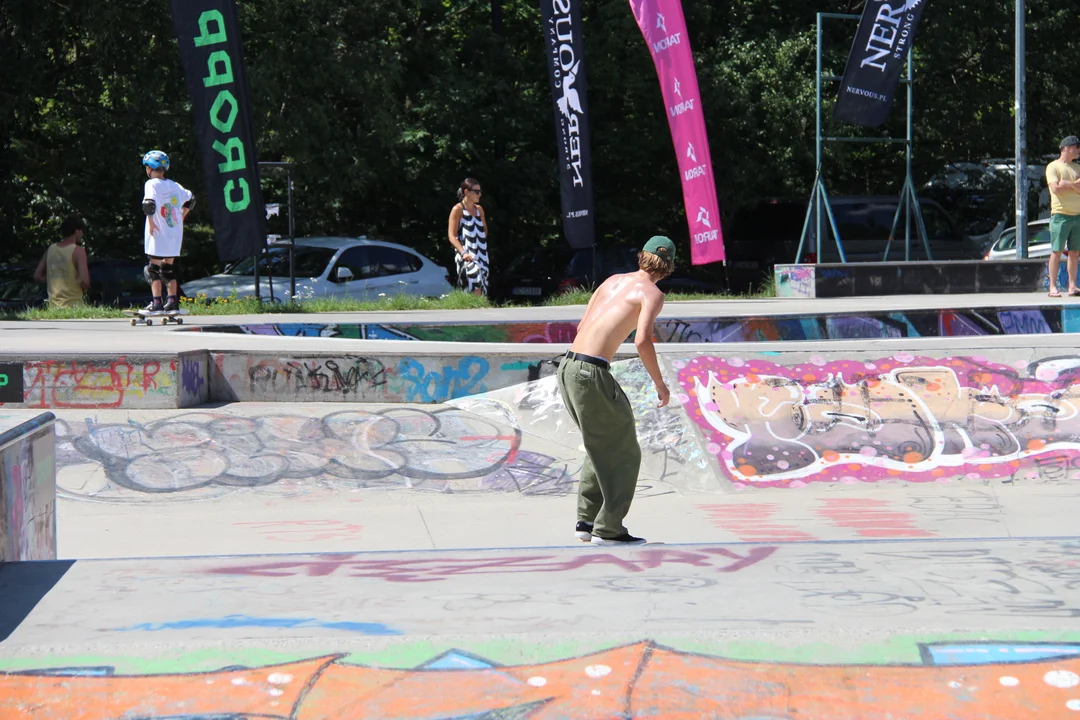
point(84, 312)
point(581, 297)
point(456, 300)
point(570, 297)
point(233, 305)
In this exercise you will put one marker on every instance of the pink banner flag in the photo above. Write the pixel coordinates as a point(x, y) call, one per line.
point(664, 28)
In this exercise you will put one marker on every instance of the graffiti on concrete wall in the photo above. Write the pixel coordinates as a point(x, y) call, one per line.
point(357, 378)
point(670, 449)
point(795, 280)
point(116, 383)
point(919, 418)
point(765, 328)
point(28, 491)
point(1001, 680)
point(209, 454)
point(193, 381)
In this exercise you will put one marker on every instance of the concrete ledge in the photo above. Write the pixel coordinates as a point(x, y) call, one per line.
point(28, 491)
point(910, 278)
point(430, 377)
point(143, 381)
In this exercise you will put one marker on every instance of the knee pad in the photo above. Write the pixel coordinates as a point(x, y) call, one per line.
point(152, 272)
point(168, 272)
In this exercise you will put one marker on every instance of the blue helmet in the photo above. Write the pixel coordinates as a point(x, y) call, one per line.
point(156, 159)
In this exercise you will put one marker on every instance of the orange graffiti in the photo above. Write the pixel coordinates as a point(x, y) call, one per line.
point(643, 680)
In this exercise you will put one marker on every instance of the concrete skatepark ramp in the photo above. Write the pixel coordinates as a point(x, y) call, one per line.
point(894, 629)
point(880, 529)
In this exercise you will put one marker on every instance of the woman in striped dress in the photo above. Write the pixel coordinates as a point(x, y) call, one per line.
point(468, 234)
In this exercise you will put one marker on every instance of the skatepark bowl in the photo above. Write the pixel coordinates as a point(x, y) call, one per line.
point(860, 509)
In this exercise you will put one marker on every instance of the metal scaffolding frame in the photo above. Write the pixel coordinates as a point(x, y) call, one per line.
point(819, 196)
point(288, 168)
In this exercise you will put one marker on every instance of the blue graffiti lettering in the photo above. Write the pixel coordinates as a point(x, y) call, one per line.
point(229, 622)
point(434, 387)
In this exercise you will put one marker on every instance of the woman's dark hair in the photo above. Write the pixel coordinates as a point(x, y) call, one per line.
point(466, 184)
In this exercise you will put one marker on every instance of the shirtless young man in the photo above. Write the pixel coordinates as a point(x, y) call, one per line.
point(598, 406)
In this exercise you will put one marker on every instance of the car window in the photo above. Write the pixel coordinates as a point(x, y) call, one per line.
point(522, 262)
point(308, 262)
point(1007, 241)
point(1037, 235)
point(130, 280)
point(937, 224)
point(18, 288)
point(355, 259)
point(383, 261)
point(863, 221)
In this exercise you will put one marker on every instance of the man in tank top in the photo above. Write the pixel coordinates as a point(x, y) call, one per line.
point(63, 267)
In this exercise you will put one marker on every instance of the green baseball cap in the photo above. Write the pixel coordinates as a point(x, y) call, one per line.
point(661, 246)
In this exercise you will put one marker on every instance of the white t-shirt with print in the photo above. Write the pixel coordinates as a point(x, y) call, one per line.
point(169, 198)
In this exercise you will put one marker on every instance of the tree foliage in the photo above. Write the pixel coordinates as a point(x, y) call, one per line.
point(384, 107)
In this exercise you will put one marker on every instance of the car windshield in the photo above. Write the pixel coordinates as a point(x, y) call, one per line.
point(309, 262)
point(1037, 235)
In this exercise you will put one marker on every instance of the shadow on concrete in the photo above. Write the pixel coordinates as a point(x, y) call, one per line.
point(22, 587)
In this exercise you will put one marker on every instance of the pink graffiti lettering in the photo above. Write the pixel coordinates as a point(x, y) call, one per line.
point(437, 569)
point(919, 418)
point(82, 384)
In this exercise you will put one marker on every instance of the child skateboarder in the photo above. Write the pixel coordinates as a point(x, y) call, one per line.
point(166, 204)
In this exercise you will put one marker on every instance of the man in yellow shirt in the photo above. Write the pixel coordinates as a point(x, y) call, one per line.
point(63, 267)
point(1063, 177)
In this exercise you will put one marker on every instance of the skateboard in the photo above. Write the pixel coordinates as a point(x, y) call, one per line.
point(147, 317)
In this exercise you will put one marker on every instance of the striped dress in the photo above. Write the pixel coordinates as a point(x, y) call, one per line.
point(472, 274)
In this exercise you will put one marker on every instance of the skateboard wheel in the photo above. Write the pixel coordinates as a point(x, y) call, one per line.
point(132, 322)
point(149, 321)
point(178, 321)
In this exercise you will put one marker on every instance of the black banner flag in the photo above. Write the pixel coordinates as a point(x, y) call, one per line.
point(886, 31)
point(566, 70)
point(209, 36)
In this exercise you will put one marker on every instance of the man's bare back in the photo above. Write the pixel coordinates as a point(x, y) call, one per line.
point(623, 303)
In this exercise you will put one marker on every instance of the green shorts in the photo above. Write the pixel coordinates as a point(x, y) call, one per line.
point(1064, 232)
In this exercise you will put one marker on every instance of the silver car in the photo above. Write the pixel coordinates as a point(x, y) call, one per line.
point(331, 267)
point(1038, 242)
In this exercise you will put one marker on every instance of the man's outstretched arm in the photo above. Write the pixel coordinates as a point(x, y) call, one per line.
point(650, 309)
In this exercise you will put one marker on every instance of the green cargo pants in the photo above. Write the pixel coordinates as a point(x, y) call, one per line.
point(601, 410)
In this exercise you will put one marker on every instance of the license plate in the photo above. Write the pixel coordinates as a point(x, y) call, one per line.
point(525, 291)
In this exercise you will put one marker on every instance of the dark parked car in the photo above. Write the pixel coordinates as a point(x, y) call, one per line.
point(543, 273)
point(768, 233)
point(112, 282)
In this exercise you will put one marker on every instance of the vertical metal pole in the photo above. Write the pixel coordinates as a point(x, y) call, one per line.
point(909, 199)
point(815, 247)
point(1021, 140)
point(292, 241)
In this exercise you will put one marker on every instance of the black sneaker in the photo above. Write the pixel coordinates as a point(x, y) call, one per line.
point(154, 307)
point(624, 539)
point(583, 531)
point(172, 305)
